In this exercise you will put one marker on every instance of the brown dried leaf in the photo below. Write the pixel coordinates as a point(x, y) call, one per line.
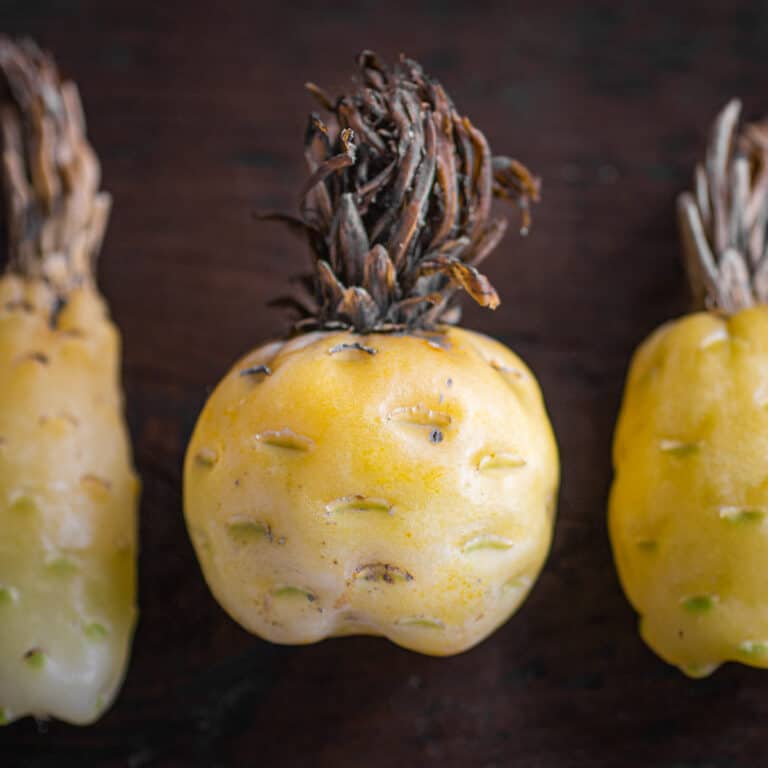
point(331, 289)
point(379, 276)
point(488, 240)
point(359, 308)
point(330, 166)
point(351, 241)
point(414, 211)
point(467, 277)
point(323, 99)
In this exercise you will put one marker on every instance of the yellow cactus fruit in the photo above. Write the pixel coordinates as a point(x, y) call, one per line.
point(381, 472)
point(68, 493)
point(688, 511)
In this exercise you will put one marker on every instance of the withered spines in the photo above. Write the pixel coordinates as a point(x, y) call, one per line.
point(723, 222)
point(53, 213)
point(397, 207)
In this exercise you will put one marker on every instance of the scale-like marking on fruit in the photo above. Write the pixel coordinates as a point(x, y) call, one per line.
point(698, 604)
point(422, 622)
point(246, 530)
point(438, 343)
point(700, 670)
point(753, 647)
point(34, 658)
point(62, 566)
point(207, 457)
point(493, 460)
point(355, 346)
point(97, 487)
point(551, 509)
point(516, 583)
point(420, 416)
point(487, 541)
point(35, 357)
point(19, 305)
point(389, 574)
point(256, 369)
point(24, 505)
point(8, 594)
point(736, 514)
point(202, 539)
point(58, 418)
point(679, 447)
point(73, 333)
point(288, 590)
point(95, 631)
point(359, 503)
point(515, 373)
point(285, 438)
point(647, 545)
point(715, 337)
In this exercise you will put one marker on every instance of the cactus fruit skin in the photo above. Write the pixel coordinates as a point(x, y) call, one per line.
point(689, 504)
point(381, 484)
point(687, 511)
point(67, 507)
point(68, 492)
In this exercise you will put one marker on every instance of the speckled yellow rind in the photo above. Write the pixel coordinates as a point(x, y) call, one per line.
point(688, 511)
point(403, 489)
point(68, 498)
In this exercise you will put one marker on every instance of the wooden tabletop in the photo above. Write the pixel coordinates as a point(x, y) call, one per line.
point(198, 114)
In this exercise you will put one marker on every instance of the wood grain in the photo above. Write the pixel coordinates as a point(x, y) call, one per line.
point(197, 110)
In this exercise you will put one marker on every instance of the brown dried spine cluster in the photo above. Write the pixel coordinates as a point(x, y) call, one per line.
point(53, 214)
point(397, 208)
point(723, 222)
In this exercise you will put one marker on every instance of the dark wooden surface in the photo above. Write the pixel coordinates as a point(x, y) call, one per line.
point(197, 111)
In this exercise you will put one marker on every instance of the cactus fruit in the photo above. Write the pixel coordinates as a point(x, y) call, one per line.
point(688, 510)
point(68, 493)
point(382, 471)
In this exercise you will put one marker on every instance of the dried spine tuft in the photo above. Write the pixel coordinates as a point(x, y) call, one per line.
point(723, 222)
point(54, 215)
point(397, 207)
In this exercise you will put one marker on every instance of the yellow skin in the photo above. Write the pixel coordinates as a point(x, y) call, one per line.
point(690, 497)
point(409, 494)
point(68, 499)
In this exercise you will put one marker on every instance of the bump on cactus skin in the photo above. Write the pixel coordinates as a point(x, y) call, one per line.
point(35, 658)
point(698, 604)
point(754, 648)
point(95, 631)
